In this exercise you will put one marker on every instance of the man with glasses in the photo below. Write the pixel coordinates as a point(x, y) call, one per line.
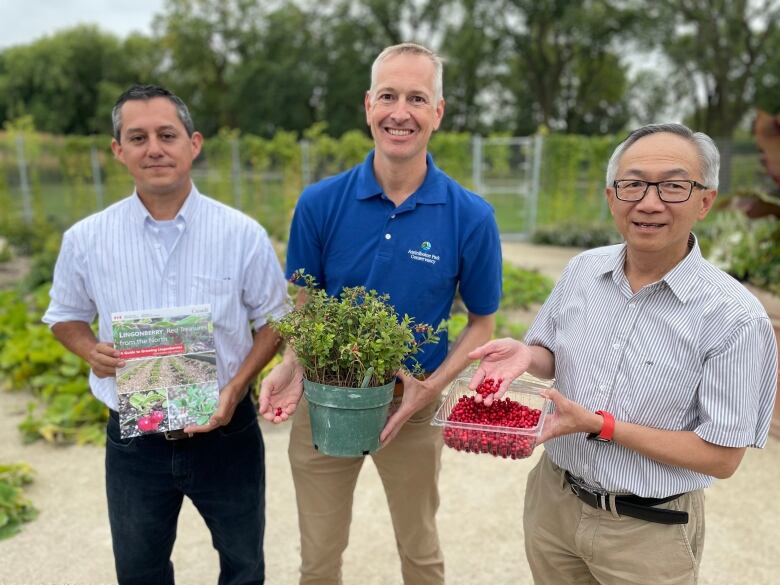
point(666, 370)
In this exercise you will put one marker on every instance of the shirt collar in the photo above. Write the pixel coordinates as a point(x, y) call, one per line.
point(681, 279)
point(186, 212)
point(430, 192)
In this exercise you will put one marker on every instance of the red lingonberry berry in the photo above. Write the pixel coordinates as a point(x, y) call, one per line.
point(502, 413)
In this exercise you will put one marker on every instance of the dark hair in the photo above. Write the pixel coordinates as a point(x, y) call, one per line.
point(147, 92)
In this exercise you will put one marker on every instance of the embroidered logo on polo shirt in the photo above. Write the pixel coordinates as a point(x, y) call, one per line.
point(423, 255)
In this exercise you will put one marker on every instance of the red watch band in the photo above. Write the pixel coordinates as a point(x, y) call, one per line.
point(607, 427)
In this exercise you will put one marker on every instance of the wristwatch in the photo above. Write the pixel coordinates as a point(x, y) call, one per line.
point(607, 428)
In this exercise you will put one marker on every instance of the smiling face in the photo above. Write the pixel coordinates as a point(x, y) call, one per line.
point(656, 231)
point(155, 148)
point(400, 108)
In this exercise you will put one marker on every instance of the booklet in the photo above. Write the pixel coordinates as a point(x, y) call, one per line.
point(170, 377)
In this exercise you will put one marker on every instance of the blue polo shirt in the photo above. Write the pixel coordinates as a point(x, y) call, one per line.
point(346, 232)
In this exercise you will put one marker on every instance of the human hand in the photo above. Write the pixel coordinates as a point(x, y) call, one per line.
point(281, 391)
point(417, 395)
point(502, 360)
point(229, 397)
point(104, 359)
point(568, 417)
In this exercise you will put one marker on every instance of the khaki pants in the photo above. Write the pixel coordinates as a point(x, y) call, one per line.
point(409, 468)
point(568, 542)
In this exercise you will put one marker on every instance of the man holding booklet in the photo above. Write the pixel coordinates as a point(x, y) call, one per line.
point(169, 254)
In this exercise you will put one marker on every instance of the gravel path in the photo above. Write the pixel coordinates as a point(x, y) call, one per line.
point(480, 518)
point(482, 498)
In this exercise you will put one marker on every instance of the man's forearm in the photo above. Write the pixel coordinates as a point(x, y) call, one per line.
point(681, 448)
point(542, 362)
point(477, 332)
point(264, 346)
point(76, 336)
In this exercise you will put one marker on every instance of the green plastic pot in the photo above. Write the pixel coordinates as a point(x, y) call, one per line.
point(347, 422)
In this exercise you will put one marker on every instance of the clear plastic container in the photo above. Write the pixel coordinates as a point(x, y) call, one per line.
point(499, 441)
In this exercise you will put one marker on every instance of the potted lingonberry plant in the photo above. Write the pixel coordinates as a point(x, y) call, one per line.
point(350, 348)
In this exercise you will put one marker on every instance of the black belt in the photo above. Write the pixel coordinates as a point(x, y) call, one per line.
point(176, 435)
point(634, 506)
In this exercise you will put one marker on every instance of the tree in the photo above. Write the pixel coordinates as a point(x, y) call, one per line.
point(562, 57)
point(470, 48)
point(649, 97)
point(273, 86)
point(768, 76)
point(65, 81)
point(716, 47)
point(204, 40)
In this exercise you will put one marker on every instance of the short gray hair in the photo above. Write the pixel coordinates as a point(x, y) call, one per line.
point(412, 49)
point(709, 156)
point(147, 92)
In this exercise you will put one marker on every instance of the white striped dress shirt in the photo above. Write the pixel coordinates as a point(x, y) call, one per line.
point(694, 351)
point(116, 260)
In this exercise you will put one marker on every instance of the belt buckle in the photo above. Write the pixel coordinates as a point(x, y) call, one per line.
point(176, 435)
point(580, 490)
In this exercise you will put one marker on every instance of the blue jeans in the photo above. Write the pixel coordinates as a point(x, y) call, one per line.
point(222, 472)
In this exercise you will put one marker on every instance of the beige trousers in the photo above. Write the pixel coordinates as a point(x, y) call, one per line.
point(567, 541)
point(409, 468)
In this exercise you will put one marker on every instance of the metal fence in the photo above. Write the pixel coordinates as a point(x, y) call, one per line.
point(531, 182)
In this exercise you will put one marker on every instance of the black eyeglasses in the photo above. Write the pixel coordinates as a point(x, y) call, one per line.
point(676, 191)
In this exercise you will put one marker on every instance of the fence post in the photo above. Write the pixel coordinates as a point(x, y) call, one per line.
point(235, 155)
point(97, 179)
point(305, 163)
point(24, 182)
point(535, 179)
point(726, 148)
point(476, 163)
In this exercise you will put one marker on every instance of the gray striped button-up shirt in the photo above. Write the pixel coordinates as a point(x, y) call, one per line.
point(694, 351)
point(117, 260)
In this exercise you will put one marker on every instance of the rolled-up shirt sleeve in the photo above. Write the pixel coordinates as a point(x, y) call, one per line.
point(70, 298)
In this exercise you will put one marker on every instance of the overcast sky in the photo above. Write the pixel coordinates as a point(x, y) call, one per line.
point(26, 20)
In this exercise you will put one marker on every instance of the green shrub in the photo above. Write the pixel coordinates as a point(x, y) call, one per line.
point(64, 409)
point(578, 235)
point(505, 327)
point(353, 340)
point(15, 509)
point(28, 239)
point(455, 326)
point(748, 249)
point(523, 288)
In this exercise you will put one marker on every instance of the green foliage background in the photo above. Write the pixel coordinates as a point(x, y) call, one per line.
point(15, 508)
point(270, 175)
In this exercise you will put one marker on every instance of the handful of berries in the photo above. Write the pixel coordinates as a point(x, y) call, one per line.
point(489, 386)
point(506, 413)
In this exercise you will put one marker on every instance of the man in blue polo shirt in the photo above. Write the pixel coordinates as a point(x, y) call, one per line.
point(399, 225)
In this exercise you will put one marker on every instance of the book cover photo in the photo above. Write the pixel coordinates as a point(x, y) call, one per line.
point(170, 377)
